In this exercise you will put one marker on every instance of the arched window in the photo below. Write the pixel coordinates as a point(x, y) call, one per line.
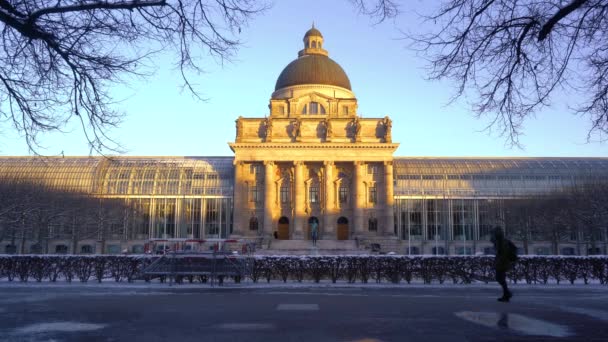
point(342, 220)
point(314, 44)
point(253, 223)
point(316, 108)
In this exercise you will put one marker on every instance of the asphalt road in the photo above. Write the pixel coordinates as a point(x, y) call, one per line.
point(308, 313)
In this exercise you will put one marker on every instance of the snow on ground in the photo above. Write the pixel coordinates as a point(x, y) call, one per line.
point(519, 323)
point(57, 327)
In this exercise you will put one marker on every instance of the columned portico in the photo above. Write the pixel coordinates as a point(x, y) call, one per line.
point(269, 195)
point(359, 198)
point(329, 224)
point(389, 210)
point(299, 210)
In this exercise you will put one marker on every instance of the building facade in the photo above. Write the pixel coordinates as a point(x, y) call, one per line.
point(312, 159)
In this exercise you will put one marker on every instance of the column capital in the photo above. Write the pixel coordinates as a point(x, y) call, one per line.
point(358, 163)
point(268, 163)
point(298, 163)
point(388, 162)
point(328, 163)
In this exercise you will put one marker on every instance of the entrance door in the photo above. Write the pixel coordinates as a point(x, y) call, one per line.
point(283, 233)
point(342, 228)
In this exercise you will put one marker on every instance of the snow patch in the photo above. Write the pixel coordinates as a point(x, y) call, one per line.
point(594, 313)
point(517, 323)
point(298, 307)
point(58, 327)
point(245, 326)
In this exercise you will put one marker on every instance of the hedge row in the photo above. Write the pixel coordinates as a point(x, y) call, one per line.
point(395, 269)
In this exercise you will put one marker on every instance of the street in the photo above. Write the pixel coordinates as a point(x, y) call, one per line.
point(78, 312)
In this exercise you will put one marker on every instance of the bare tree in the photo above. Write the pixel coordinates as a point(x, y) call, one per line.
point(58, 58)
point(514, 55)
point(377, 10)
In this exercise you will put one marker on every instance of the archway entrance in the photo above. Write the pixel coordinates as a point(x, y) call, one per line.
point(283, 233)
point(342, 228)
point(308, 227)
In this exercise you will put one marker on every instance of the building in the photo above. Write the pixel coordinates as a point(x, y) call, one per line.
point(312, 159)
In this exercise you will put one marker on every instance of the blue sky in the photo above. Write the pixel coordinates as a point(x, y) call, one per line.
point(386, 76)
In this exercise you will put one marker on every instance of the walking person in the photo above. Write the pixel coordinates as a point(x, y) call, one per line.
point(506, 255)
point(314, 226)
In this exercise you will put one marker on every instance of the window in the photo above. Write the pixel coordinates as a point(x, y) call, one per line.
point(314, 44)
point(137, 249)
point(285, 194)
point(254, 169)
point(464, 251)
point(344, 110)
point(372, 169)
point(372, 224)
point(314, 108)
point(86, 249)
point(438, 251)
point(412, 250)
point(314, 194)
point(281, 110)
point(304, 109)
point(253, 223)
point(36, 248)
point(343, 194)
point(254, 195)
point(568, 251)
point(542, 251)
point(10, 249)
point(61, 249)
point(373, 194)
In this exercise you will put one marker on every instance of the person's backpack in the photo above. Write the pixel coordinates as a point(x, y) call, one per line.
point(511, 251)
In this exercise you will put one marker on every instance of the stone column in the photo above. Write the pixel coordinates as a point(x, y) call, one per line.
point(359, 199)
point(389, 210)
point(329, 221)
point(269, 195)
point(240, 200)
point(299, 213)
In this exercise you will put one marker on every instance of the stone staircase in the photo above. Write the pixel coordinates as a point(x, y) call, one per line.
point(305, 247)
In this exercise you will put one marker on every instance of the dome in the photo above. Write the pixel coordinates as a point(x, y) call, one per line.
point(313, 69)
point(313, 32)
point(313, 66)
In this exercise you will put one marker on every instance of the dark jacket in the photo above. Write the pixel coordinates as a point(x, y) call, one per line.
point(501, 262)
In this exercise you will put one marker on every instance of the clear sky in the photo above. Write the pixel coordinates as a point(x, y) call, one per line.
point(386, 76)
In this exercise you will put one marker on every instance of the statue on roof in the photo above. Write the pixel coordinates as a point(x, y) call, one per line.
point(268, 125)
point(388, 124)
point(239, 128)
